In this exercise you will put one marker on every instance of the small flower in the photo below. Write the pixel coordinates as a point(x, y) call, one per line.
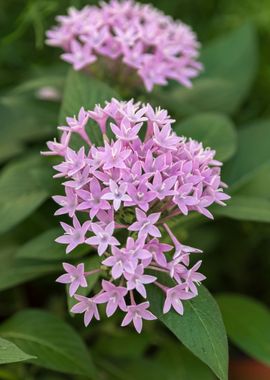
point(58, 148)
point(152, 165)
point(165, 138)
point(74, 276)
point(162, 188)
point(86, 306)
point(181, 250)
point(117, 194)
point(140, 196)
point(137, 249)
point(80, 55)
point(80, 179)
point(93, 199)
point(127, 131)
point(77, 125)
point(73, 236)
point(183, 197)
point(136, 313)
point(120, 262)
point(73, 163)
point(137, 279)
point(174, 297)
point(104, 237)
point(100, 116)
point(114, 156)
point(145, 224)
point(68, 203)
point(113, 295)
point(193, 277)
point(157, 250)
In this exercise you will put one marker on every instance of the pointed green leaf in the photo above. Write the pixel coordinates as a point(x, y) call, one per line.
point(21, 190)
point(10, 353)
point(242, 207)
point(200, 329)
point(44, 247)
point(247, 322)
point(213, 130)
point(56, 345)
point(252, 154)
point(241, 46)
point(15, 271)
point(226, 79)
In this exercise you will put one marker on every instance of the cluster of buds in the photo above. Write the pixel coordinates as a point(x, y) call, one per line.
point(140, 36)
point(121, 197)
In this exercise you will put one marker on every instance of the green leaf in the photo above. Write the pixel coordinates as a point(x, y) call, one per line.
point(242, 207)
point(172, 362)
point(55, 344)
point(252, 154)
point(200, 329)
point(259, 184)
point(247, 323)
point(206, 95)
point(213, 130)
point(82, 90)
point(24, 119)
point(227, 57)
point(226, 80)
point(21, 190)
point(10, 353)
point(15, 271)
point(43, 247)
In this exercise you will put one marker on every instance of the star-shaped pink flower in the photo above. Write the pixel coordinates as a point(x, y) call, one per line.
point(103, 237)
point(74, 276)
point(73, 236)
point(117, 194)
point(145, 224)
point(136, 314)
point(174, 297)
point(138, 279)
point(112, 295)
point(87, 306)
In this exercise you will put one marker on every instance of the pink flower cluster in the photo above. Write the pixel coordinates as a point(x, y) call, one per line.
point(120, 196)
point(139, 35)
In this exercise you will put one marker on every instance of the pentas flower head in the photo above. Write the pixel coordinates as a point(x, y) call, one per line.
point(121, 196)
point(143, 38)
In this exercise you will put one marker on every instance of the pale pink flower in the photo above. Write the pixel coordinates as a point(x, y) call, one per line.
point(144, 39)
point(145, 225)
point(87, 306)
point(113, 295)
point(58, 148)
point(174, 297)
point(137, 279)
point(125, 191)
point(79, 56)
point(136, 314)
point(74, 276)
point(117, 194)
point(120, 261)
point(114, 156)
point(92, 199)
point(73, 236)
point(68, 203)
point(103, 237)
